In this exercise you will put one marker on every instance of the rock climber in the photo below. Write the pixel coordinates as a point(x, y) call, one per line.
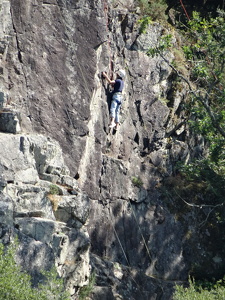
point(117, 98)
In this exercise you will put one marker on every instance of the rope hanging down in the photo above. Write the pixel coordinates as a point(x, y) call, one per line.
point(145, 243)
point(181, 2)
point(142, 236)
point(106, 10)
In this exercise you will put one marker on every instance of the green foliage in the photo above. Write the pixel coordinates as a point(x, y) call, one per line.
point(86, 290)
point(205, 53)
point(180, 64)
point(202, 123)
point(144, 22)
point(53, 287)
point(16, 284)
point(164, 44)
point(54, 190)
point(137, 181)
point(201, 182)
point(204, 50)
point(212, 175)
point(154, 9)
point(206, 291)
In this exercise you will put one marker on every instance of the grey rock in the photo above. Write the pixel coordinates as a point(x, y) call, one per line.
point(149, 39)
point(37, 229)
point(9, 122)
point(30, 199)
point(72, 209)
point(52, 55)
point(1, 95)
point(16, 162)
point(6, 209)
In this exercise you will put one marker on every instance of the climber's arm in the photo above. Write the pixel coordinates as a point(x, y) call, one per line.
point(108, 79)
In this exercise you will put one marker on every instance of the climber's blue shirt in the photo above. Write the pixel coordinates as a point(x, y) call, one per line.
point(118, 86)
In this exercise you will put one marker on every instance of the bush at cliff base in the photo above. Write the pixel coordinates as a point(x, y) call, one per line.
point(16, 284)
point(202, 291)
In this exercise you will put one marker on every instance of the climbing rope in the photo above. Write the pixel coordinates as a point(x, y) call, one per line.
point(106, 14)
point(181, 2)
point(124, 253)
point(142, 236)
point(118, 239)
point(140, 233)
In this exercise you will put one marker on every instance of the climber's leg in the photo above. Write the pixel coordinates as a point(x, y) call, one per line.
point(117, 112)
point(113, 113)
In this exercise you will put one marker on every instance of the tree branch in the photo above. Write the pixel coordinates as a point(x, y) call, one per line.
point(202, 100)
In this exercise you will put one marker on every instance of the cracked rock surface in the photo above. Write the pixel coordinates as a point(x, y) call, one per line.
point(107, 214)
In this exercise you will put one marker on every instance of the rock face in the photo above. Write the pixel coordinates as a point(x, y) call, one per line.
point(29, 167)
point(108, 214)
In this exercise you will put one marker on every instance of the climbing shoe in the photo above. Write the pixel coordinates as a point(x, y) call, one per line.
point(112, 125)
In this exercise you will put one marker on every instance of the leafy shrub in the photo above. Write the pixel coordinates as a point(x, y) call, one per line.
point(137, 181)
point(200, 292)
point(164, 44)
point(154, 8)
point(204, 50)
point(53, 196)
point(54, 190)
point(16, 284)
point(87, 289)
point(53, 286)
point(208, 173)
point(144, 22)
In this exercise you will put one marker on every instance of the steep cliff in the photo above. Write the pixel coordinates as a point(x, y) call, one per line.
point(110, 215)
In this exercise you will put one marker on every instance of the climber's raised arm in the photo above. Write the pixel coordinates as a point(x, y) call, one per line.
point(108, 79)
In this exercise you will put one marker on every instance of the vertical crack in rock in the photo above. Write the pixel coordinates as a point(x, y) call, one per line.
point(93, 124)
point(20, 59)
point(19, 55)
